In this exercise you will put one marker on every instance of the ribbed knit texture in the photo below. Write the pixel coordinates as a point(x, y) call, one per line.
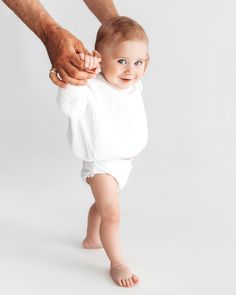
point(105, 123)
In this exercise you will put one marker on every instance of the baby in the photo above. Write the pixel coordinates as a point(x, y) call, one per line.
point(107, 129)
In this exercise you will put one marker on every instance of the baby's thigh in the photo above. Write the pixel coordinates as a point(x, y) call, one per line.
point(105, 191)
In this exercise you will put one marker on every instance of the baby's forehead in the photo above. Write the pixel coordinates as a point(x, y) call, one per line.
point(129, 47)
point(124, 42)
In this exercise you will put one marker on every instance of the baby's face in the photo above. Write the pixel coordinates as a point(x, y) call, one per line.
point(124, 64)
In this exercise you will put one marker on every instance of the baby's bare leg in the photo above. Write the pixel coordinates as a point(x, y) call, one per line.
point(92, 240)
point(105, 192)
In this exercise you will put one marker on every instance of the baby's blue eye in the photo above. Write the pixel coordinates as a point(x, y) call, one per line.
point(122, 61)
point(138, 63)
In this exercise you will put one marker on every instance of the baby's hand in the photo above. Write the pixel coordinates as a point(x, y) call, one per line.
point(91, 62)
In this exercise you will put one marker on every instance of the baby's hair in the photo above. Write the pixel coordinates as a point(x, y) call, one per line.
point(119, 29)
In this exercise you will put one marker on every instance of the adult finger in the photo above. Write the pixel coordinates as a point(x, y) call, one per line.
point(77, 60)
point(69, 80)
point(55, 79)
point(77, 74)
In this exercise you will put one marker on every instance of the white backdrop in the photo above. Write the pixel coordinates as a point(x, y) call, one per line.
point(178, 221)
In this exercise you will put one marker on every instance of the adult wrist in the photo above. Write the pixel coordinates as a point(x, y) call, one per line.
point(47, 31)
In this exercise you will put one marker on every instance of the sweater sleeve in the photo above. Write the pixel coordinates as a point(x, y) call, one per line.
point(72, 99)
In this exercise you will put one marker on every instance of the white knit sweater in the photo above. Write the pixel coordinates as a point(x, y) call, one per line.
point(105, 123)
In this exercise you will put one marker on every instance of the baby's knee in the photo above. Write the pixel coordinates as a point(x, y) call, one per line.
point(110, 214)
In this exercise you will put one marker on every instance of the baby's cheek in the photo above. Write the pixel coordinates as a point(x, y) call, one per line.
point(140, 74)
point(109, 75)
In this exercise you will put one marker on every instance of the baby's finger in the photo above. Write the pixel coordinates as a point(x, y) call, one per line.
point(99, 59)
point(81, 55)
point(96, 53)
point(97, 62)
point(91, 62)
point(86, 61)
point(94, 63)
point(98, 70)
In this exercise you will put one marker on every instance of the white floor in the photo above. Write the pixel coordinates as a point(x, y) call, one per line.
point(170, 243)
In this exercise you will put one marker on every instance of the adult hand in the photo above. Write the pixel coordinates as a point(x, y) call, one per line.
point(63, 49)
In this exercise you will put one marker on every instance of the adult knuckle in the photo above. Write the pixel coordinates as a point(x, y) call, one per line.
point(73, 73)
point(64, 52)
point(66, 79)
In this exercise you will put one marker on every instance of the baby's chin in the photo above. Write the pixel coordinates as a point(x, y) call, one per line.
point(124, 86)
point(122, 83)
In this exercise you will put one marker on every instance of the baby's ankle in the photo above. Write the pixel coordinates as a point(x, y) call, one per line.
point(117, 263)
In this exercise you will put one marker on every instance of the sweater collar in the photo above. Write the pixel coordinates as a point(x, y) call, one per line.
point(125, 90)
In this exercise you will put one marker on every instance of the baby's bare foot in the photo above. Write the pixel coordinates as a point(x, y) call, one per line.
point(122, 275)
point(88, 244)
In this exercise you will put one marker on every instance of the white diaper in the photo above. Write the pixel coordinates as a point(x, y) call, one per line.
point(119, 169)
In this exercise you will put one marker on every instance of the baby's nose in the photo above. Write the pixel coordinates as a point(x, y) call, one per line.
point(129, 70)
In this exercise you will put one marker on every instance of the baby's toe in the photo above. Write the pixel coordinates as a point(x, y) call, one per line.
point(123, 276)
point(135, 279)
point(127, 283)
point(123, 282)
point(120, 283)
point(131, 282)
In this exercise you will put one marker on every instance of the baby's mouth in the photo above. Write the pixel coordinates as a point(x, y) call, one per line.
point(126, 80)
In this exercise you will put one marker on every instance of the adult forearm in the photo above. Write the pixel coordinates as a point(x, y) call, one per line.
point(102, 9)
point(34, 15)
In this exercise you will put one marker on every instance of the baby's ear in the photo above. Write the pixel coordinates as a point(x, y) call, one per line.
point(147, 61)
